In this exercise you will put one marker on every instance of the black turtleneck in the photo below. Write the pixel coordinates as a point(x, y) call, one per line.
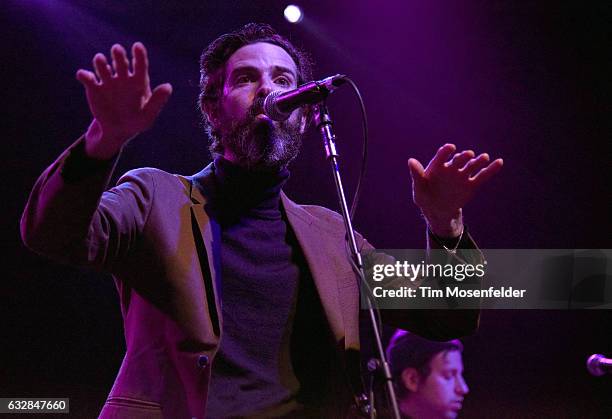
point(265, 331)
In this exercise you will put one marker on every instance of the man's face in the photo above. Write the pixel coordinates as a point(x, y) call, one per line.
point(248, 136)
point(441, 394)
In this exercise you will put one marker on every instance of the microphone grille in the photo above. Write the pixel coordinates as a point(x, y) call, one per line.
point(270, 108)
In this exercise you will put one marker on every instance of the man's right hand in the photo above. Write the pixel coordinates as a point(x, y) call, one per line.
point(120, 100)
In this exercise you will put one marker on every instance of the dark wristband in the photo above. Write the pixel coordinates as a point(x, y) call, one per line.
point(78, 165)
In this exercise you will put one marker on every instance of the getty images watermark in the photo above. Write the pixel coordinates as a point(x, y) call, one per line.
point(420, 272)
point(493, 278)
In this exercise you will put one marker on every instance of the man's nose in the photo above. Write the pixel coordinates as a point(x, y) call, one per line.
point(265, 87)
point(461, 386)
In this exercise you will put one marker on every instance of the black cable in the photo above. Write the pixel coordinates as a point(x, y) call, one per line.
point(364, 151)
point(361, 272)
point(355, 202)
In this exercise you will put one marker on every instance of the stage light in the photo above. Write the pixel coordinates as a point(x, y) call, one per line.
point(293, 13)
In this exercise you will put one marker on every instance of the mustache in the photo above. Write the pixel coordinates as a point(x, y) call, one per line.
point(256, 108)
point(247, 121)
point(262, 143)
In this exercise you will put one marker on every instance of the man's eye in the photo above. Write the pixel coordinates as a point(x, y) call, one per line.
point(283, 81)
point(243, 79)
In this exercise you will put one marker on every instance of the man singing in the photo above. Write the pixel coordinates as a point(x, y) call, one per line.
point(236, 301)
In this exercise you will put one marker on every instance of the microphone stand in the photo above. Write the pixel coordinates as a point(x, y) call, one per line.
point(324, 124)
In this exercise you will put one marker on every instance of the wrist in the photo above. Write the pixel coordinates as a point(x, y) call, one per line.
point(445, 226)
point(99, 146)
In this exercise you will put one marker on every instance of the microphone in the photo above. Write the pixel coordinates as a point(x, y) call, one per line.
point(599, 365)
point(278, 105)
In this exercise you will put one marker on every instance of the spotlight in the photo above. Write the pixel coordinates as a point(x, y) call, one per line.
point(293, 13)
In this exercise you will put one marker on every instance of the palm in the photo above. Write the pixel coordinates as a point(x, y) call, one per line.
point(443, 188)
point(120, 98)
point(118, 106)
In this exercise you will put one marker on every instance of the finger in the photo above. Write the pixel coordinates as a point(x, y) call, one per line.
point(87, 79)
point(460, 159)
point(487, 173)
point(442, 155)
point(102, 68)
point(474, 165)
point(158, 99)
point(120, 61)
point(140, 63)
point(416, 169)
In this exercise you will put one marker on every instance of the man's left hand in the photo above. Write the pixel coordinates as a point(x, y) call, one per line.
point(448, 183)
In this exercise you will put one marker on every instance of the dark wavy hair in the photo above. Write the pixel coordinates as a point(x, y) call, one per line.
point(407, 350)
point(214, 58)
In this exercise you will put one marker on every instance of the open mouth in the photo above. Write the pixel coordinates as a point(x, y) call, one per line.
point(261, 119)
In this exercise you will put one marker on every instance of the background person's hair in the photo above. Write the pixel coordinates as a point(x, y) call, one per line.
point(407, 350)
point(214, 58)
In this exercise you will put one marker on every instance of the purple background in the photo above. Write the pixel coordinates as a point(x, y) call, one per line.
point(527, 81)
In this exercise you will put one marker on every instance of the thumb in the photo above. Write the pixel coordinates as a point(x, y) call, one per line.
point(156, 102)
point(417, 172)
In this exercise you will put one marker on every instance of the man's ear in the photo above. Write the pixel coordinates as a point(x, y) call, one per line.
point(411, 379)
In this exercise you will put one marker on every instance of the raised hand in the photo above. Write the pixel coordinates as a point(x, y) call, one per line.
point(120, 100)
point(443, 188)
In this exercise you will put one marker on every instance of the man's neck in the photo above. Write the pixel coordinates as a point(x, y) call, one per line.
point(238, 190)
point(231, 157)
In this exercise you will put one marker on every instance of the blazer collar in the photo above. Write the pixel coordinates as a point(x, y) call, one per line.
point(204, 185)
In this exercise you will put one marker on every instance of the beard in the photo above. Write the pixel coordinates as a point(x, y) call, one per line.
point(260, 143)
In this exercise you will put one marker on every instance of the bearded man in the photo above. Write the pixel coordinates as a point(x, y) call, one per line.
point(236, 301)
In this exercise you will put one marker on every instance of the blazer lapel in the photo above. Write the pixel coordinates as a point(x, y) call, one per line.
point(340, 302)
point(207, 237)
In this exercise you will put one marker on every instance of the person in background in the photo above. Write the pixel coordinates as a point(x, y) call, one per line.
point(428, 376)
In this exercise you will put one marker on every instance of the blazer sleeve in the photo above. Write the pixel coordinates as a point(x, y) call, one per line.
point(433, 324)
point(69, 217)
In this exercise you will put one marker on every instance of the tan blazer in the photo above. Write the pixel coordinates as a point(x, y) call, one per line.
point(153, 233)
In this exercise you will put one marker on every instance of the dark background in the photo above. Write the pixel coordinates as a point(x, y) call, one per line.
point(528, 81)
